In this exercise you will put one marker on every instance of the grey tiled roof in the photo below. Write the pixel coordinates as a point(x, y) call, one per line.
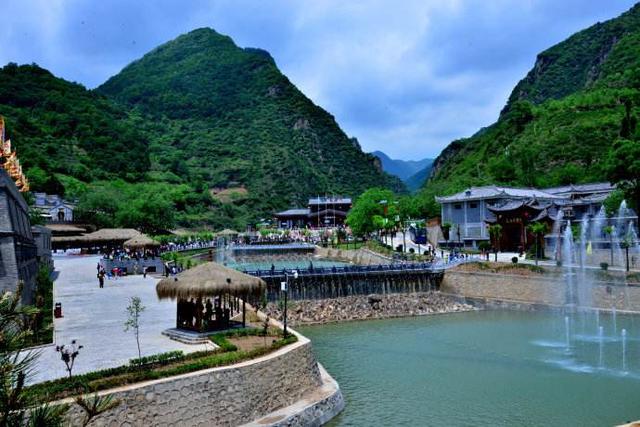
point(294, 212)
point(492, 191)
point(595, 187)
point(329, 200)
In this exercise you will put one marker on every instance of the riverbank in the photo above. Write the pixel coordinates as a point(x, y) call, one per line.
point(364, 307)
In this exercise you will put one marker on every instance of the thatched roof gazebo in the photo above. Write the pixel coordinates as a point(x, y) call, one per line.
point(142, 241)
point(208, 294)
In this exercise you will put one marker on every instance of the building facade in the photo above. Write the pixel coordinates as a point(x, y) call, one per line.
point(42, 237)
point(470, 212)
point(18, 251)
point(320, 212)
point(54, 208)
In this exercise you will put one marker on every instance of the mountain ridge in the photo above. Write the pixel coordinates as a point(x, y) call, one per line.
point(560, 121)
point(196, 116)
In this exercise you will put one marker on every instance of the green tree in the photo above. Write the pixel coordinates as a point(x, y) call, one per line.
point(495, 231)
point(407, 208)
point(538, 229)
point(134, 311)
point(623, 169)
point(608, 230)
point(612, 202)
point(17, 365)
point(446, 231)
point(371, 203)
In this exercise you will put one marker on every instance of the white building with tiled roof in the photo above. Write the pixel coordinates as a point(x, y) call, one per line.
point(470, 211)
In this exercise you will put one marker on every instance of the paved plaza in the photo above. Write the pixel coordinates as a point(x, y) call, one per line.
point(95, 318)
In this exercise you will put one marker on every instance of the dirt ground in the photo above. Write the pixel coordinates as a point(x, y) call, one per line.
point(251, 342)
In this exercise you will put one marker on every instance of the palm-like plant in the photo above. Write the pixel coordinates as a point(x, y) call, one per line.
point(495, 231)
point(609, 230)
point(95, 405)
point(538, 229)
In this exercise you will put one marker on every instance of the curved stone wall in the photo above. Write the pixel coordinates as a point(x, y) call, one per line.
point(225, 396)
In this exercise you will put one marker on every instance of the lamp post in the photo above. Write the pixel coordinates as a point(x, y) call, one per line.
point(284, 286)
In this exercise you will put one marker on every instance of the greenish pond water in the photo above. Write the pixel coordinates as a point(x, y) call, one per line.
point(495, 368)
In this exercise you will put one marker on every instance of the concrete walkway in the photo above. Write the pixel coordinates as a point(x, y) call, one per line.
point(95, 318)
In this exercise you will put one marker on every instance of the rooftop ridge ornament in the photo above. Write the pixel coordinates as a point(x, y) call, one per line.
point(10, 161)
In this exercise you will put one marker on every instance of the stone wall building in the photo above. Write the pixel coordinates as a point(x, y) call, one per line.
point(54, 208)
point(18, 251)
point(42, 237)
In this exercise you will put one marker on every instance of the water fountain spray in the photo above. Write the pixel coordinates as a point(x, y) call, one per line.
point(624, 350)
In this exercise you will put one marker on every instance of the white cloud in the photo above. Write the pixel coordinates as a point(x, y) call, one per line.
point(403, 77)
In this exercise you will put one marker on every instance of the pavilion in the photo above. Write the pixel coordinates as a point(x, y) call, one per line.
point(209, 296)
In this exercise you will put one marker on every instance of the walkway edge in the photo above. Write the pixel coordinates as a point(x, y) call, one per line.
point(314, 409)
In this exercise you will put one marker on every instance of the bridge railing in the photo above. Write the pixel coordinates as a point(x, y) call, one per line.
point(322, 271)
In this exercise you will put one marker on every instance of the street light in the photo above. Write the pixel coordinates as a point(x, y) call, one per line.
point(284, 286)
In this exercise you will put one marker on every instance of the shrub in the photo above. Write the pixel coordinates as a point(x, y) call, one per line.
point(412, 251)
point(514, 260)
point(559, 263)
point(161, 359)
point(604, 266)
point(129, 374)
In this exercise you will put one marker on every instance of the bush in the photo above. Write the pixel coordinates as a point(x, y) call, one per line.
point(559, 263)
point(514, 260)
point(399, 248)
point(412, 251)
point(484, 246)
point(604, 266)
point(161, 359)
point(130, 374)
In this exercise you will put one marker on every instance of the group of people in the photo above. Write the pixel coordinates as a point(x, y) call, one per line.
point(127, 254)
point(199, 315)
point(196, 244)
point(114, 273)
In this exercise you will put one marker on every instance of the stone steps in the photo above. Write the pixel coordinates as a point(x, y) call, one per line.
point(187, 337)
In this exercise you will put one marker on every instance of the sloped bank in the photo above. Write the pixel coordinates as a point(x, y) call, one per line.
point(364, 307)
point(226, 396)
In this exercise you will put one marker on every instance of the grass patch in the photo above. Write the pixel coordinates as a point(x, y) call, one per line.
point(155, 367)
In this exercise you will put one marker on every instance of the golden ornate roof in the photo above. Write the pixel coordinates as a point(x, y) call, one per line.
point(10, 161)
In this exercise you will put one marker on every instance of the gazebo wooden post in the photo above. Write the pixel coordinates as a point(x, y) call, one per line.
point(244, 314)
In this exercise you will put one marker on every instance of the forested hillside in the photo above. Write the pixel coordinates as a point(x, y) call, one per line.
point(197, 132)
point(562, 121)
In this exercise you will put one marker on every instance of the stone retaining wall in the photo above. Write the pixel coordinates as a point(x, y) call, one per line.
point(225, 396)
point(542, 289)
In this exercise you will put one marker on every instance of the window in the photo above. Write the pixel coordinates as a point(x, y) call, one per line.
point(473, 205)
point(457, 206)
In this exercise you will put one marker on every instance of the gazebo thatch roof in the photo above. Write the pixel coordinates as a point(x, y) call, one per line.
point(206, 280)
point(227, 232)
point(112, 234)
point(142, 241)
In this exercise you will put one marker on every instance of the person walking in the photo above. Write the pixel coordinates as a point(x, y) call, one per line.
point(101, 275)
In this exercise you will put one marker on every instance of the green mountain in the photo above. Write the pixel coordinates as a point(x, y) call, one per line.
point(403, 169)
point(196, 132)
point(417, 180)
point(560, 121)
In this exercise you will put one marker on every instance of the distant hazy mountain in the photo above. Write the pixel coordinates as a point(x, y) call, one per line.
point(403, 169)
point(415, 181)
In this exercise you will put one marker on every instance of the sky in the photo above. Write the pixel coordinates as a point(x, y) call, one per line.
point(406, 77)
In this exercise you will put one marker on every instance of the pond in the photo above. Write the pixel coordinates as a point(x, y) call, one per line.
point(498, 368)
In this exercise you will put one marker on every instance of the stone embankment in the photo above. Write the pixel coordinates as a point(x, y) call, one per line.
point(363, 307)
